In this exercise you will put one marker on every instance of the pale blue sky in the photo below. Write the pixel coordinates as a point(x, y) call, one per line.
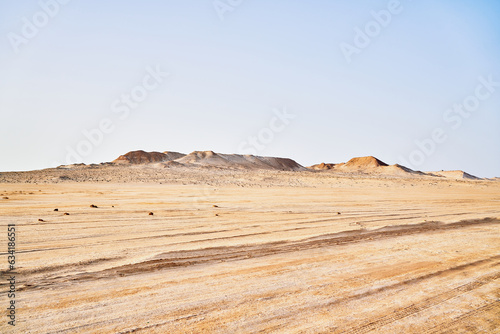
point(227, 76)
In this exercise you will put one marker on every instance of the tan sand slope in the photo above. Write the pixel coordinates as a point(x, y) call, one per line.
point(322, 166)
point(456, 174)
point(364, 162)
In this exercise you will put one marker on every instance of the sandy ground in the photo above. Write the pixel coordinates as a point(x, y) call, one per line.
point(287, 254)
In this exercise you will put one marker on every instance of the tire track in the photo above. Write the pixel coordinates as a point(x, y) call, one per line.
point(399, 285)
point(234, 253)
point(423, 305)
point(452, 326)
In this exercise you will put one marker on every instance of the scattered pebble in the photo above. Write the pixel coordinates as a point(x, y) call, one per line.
point(93, 206)
point(151, 213)
point(66, 214)
point(56, 209)
point(215, 206)
point(40, 220)
point(338, 213)
point(216, 215)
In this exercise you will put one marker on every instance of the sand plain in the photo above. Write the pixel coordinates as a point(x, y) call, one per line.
point(252, 253)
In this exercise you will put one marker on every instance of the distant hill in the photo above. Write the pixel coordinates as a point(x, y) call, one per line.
point(141, 157)
point(456, 174)
point(209, 159)
point(354, 164)
point(367, 165)
point(322, 166)
point(364, 162)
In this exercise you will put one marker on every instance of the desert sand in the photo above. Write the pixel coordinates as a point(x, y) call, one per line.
point(250, 250)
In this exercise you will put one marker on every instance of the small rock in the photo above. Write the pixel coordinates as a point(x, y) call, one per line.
point(5, 197)
point(151, 213)
point(216, 215)
point(66, 214)
point(56, 209)
point(93, 206)
point(215, 206)
point(40, 220)
point(338, 213)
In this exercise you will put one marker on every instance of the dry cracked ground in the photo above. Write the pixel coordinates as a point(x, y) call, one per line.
point(352, 255)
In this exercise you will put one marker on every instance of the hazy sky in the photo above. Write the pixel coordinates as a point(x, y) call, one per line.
point(410, 82)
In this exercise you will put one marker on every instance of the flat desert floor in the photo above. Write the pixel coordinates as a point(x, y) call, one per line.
point(348, 255)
